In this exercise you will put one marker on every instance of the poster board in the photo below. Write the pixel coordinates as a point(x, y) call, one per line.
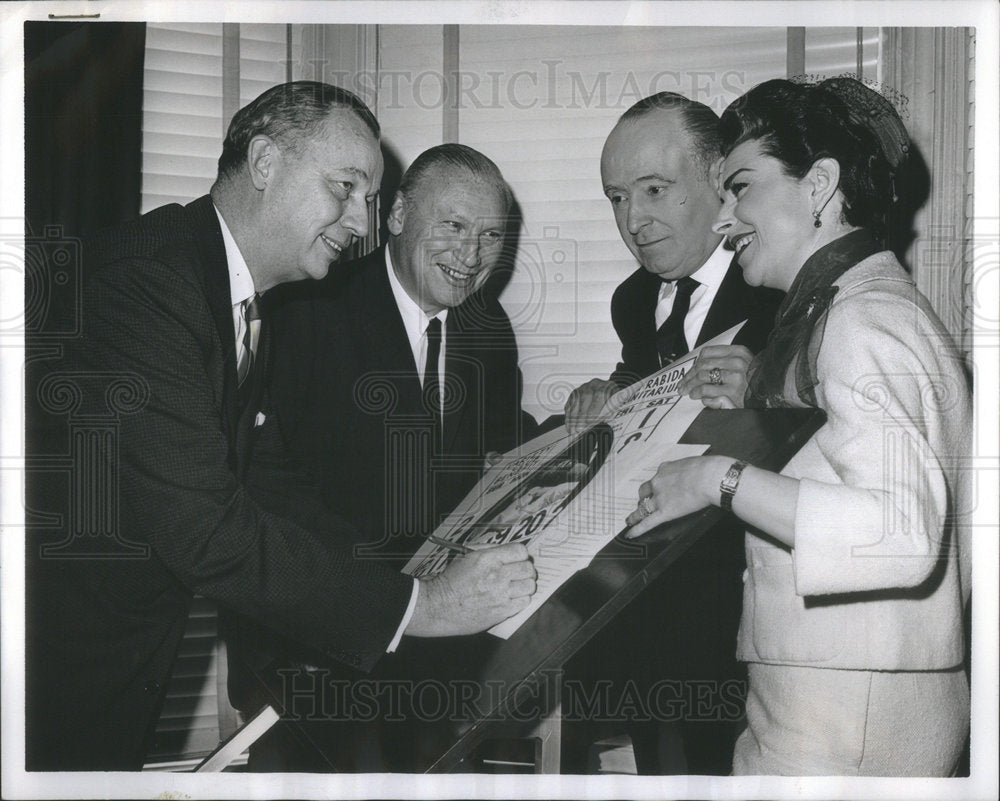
point(566, 495)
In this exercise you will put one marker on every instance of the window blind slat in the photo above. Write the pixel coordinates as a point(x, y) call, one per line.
point(184, 130)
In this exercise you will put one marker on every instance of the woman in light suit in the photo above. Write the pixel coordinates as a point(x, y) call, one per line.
point(857, 575)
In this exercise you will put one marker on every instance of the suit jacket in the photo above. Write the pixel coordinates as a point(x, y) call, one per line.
point(633, 309)
point(868, 585)
point(156, 366)
point(345, 402)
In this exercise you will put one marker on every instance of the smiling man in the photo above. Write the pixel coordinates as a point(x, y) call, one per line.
point(655, 170)
point(171, 360)
point(447, 226)
point(401, 341)
point(393, 379)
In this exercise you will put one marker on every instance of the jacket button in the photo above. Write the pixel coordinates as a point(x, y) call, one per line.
point(151, 687)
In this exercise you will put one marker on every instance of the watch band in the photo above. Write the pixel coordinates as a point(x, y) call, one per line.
point(730, 481)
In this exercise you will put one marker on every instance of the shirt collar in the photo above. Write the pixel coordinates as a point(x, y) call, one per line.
point(415, 320)
point(710, 274)
point(241, 285)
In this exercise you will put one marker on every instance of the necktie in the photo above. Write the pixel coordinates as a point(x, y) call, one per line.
point(432, 381)
point(670, 341)
point(251, 336)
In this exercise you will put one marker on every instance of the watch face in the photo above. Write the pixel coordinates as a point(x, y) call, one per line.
point(732, 475)
point(729, 483)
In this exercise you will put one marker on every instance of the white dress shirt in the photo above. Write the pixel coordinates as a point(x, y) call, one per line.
point(709, 277)
point(241, 287)
point(415, 321)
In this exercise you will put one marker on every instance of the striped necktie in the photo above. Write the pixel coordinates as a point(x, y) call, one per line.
point(251, 337)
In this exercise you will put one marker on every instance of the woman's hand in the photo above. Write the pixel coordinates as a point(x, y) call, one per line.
point(718, 376)
point(762, 499)
point(677, 489)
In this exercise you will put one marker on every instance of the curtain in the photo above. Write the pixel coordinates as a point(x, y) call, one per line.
point(82, 141)
point(83, 112)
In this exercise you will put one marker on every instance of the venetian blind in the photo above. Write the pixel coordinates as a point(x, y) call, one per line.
point(183, 124)
point(540, 100)
point(567, 87)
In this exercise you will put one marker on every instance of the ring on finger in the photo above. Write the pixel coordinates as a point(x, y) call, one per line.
point(715, 376)
point(645, 507)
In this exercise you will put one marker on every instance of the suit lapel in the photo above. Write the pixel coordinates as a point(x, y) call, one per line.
point(729, 306)
point(211, 248)
point(460, 371)
point(645, 321)
point(386, 337)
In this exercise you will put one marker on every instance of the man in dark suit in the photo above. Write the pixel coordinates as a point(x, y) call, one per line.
point(392, 420)
point(170, 358)
point(350, 397)
point(656, 171)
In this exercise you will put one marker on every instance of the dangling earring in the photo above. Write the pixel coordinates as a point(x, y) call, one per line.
point(817, 222)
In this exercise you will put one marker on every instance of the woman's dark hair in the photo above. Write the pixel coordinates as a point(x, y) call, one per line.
point(840, 118)
point(288, 113)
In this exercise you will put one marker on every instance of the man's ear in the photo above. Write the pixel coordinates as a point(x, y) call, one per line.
point(397, 215)
point(715, 175)
point(260, 160)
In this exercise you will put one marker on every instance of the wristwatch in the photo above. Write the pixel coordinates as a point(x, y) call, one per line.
point(730, 481)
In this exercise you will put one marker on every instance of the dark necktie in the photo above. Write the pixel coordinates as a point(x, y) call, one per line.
point(251, 339)
point(670, 341)
point(432, 381)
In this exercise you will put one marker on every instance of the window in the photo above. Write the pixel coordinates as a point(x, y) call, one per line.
point(183, 121)
point(539, 101)
point(181, 112)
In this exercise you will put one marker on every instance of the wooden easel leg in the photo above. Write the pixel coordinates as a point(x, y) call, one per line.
point(547, 732)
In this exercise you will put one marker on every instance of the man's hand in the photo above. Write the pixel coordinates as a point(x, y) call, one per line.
point(475, 592)
point(583, 408)
point(492, 459)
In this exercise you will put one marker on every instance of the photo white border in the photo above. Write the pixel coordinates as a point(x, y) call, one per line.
point(981, 14)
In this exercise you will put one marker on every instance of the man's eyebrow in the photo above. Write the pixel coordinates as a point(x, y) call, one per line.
point(655, 176)
point(455, 215)
point(729, 181)
point(357, 171)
